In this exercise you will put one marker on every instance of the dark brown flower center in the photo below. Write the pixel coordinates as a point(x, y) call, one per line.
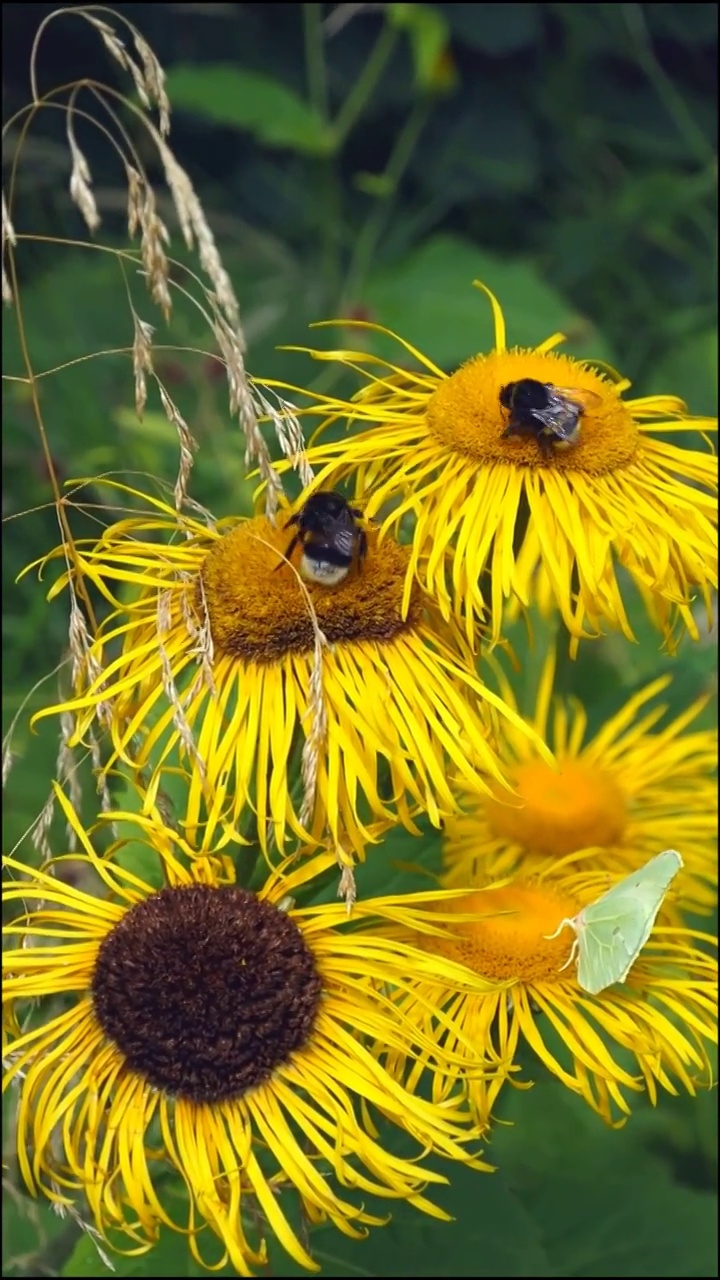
point(206, 991)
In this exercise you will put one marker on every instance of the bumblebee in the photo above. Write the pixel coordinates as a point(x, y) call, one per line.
point(329, 536)
point(551, 414)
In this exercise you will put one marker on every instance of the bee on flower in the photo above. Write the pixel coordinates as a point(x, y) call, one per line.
point(274, 665)
point(526, 464)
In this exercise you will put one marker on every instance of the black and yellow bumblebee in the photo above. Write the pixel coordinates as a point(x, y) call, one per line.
point(551, 414)
point(330, 537)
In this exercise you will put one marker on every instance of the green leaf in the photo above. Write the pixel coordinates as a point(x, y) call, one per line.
point(403, 863)
point(378, 185)
point(685, 1134)
point(637, 664)
point(603, 1204)
point(429, 300)
point(34, 1236)
point(169, 1257)
point(697, 24)
point(690, 370)
point(591, 30)
point(269, 110)
point(492, 1234)
point(85, 1261)
point(481, 145)
point(429, 39)
point(495, 29)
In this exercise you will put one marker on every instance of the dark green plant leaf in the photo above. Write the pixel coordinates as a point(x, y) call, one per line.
point(242, 99)
point(689, 24)
point(428, 299)
point(492, 1234)
point(685, 1134)
point(690, 370)
point(427, 29)
point(34, 1236)
point(481, 144)
point(604, 1205)
point(403, 863)
point(495, 29)
point(169, 1257)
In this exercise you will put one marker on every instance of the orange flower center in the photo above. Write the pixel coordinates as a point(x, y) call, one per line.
point(259, 610)
point(509, 941)
point(466, 415)
point(580, 807)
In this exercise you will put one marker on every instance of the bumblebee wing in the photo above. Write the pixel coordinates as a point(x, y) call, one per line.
point(579, 395)
point(344, 540)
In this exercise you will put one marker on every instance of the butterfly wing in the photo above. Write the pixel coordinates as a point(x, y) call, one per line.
point(603, 957)
point(614, 929)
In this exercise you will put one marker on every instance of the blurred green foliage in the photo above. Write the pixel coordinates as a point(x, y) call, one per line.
point(369, 161)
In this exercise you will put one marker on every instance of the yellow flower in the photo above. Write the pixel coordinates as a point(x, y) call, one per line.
point(229, 658)
point(218, 1034)
point(649, 1033)
point(492, 512)
point(626, 793)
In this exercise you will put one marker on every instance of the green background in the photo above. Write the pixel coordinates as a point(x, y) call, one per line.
point(371, 164)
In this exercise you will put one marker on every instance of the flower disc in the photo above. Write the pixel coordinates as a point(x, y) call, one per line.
point(258, 609)
point(466, 416)
point(205, 990)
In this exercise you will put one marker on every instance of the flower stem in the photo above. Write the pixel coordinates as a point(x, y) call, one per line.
point(315, 59)
point(372, 231)
point(664, 86)
point(362, 91)
point(330, 191)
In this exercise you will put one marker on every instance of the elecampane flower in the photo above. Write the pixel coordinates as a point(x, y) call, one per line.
point(218, 1033)
point(228, 657)
point(628, 791)
point(492, 510)
point(650, 1033)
